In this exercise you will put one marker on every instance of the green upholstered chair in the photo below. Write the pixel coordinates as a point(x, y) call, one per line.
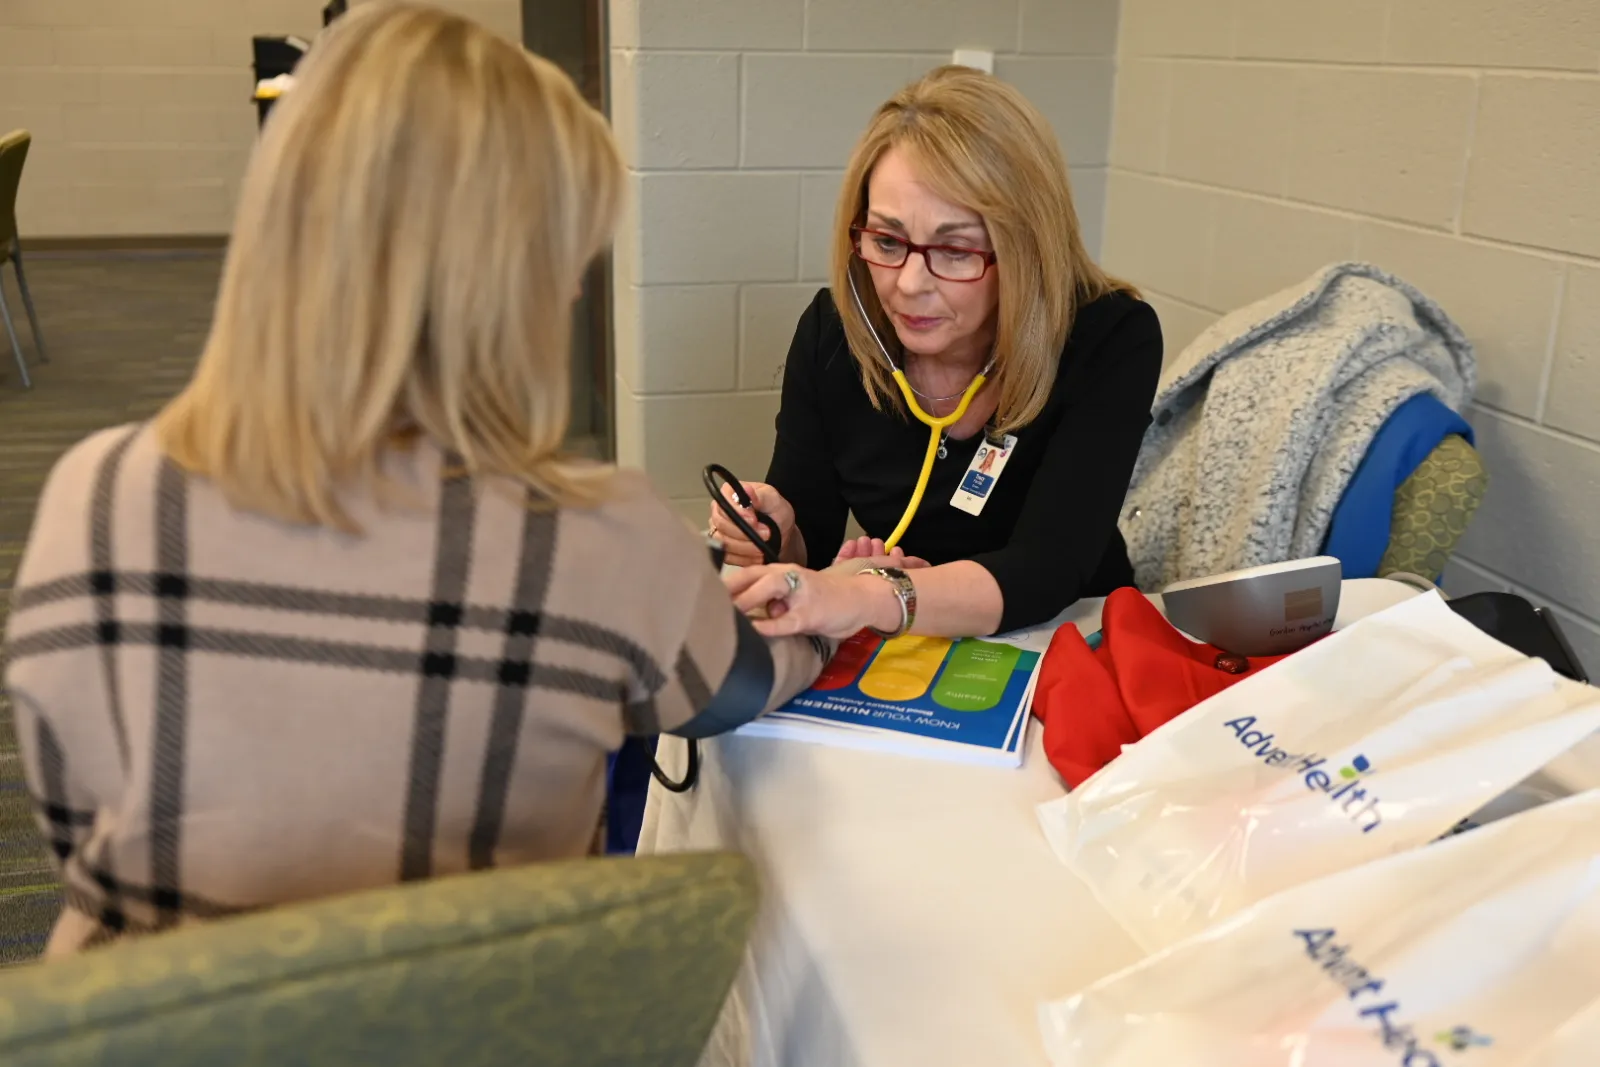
point(1432, 509)
point(13, 154)
point(596, 962)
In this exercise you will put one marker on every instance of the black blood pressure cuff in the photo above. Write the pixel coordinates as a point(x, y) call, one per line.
point(744, 691)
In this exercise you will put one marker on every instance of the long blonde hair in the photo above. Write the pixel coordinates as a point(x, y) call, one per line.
point(979, 143)
point(412, 229)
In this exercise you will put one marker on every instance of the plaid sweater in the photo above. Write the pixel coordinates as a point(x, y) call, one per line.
point(220, 711)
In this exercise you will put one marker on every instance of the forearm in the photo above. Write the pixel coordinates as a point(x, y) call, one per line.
point(959, 599)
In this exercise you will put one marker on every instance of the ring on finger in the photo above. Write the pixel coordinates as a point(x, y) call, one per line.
point(793, 579)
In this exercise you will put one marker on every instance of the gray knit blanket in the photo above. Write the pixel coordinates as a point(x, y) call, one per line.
point(1260, 423)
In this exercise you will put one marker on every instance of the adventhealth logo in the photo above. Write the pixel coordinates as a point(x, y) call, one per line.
point(1358, 767)
point(1462, 1038)
point(1343, 786)
point(1386, 1012)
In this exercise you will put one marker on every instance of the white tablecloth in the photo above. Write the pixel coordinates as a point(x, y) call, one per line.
point(912, 913)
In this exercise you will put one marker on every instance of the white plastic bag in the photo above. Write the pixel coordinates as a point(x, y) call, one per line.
point(1576, 1043)
point(1379, 738)
point(1470, 952)
point(1574, 771)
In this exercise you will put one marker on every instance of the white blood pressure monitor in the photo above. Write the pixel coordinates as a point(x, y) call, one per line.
point(1260, 611)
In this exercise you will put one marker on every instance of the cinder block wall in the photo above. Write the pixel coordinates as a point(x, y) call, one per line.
point(1455, 142)
point(737, 118)
point(140, 109)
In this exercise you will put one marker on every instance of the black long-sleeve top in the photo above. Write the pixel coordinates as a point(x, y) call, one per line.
point(1048, 533)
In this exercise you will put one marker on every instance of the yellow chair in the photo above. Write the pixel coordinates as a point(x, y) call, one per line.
point(13, 154)
point(599, 963)
point(1432, 509)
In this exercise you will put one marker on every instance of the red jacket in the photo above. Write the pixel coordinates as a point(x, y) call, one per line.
point(1094, 701)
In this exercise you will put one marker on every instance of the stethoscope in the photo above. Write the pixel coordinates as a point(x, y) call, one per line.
point(937, 425)
point(715, 477)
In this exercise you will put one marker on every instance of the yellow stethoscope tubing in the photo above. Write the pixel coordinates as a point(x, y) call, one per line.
point(936, 428)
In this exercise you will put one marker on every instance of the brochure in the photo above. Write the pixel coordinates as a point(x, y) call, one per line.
point(963, 699)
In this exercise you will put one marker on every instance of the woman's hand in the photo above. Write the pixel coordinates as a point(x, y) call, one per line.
point(870, 552)
point(834, 603)
point(741, 551)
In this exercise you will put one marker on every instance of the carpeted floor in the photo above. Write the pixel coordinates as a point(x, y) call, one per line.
point(122, 334)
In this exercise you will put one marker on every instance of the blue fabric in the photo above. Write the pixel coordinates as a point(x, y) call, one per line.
point(627, 781)
point(1359, 533)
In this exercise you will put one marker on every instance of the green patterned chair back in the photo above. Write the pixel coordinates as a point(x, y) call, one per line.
point(13, 154)
point(1432, 509)
point(595, 963)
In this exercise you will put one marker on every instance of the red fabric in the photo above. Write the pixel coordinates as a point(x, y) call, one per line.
point(1092, 702)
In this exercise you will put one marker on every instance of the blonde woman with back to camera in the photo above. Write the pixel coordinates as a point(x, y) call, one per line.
point(343, 614)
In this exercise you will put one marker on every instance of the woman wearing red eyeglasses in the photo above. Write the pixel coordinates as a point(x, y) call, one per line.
point(957, 253)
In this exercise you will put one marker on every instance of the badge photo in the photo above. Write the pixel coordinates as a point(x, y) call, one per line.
point(988, 463)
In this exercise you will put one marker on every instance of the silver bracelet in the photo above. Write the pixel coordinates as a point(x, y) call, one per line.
point(906, 591)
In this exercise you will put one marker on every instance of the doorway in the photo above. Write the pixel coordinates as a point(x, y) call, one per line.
point(572, 35)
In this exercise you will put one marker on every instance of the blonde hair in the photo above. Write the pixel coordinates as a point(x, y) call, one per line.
point(978, 142)
point(412, 229)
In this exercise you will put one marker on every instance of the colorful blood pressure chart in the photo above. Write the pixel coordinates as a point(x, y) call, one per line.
point(970, 692)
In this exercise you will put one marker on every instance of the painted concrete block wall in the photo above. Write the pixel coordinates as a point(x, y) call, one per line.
point(1455, 142)
point(140, 109)
point(737, 118)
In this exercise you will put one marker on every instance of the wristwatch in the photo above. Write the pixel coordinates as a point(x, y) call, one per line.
point(907, 593)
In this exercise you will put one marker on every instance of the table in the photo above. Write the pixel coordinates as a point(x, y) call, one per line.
point(912, 914)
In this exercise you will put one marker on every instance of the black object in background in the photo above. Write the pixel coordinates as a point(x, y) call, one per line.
point(273, 56)
point(333, 11)
point(1510, 619)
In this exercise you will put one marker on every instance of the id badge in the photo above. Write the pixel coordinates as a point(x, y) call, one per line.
point(988, 463)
